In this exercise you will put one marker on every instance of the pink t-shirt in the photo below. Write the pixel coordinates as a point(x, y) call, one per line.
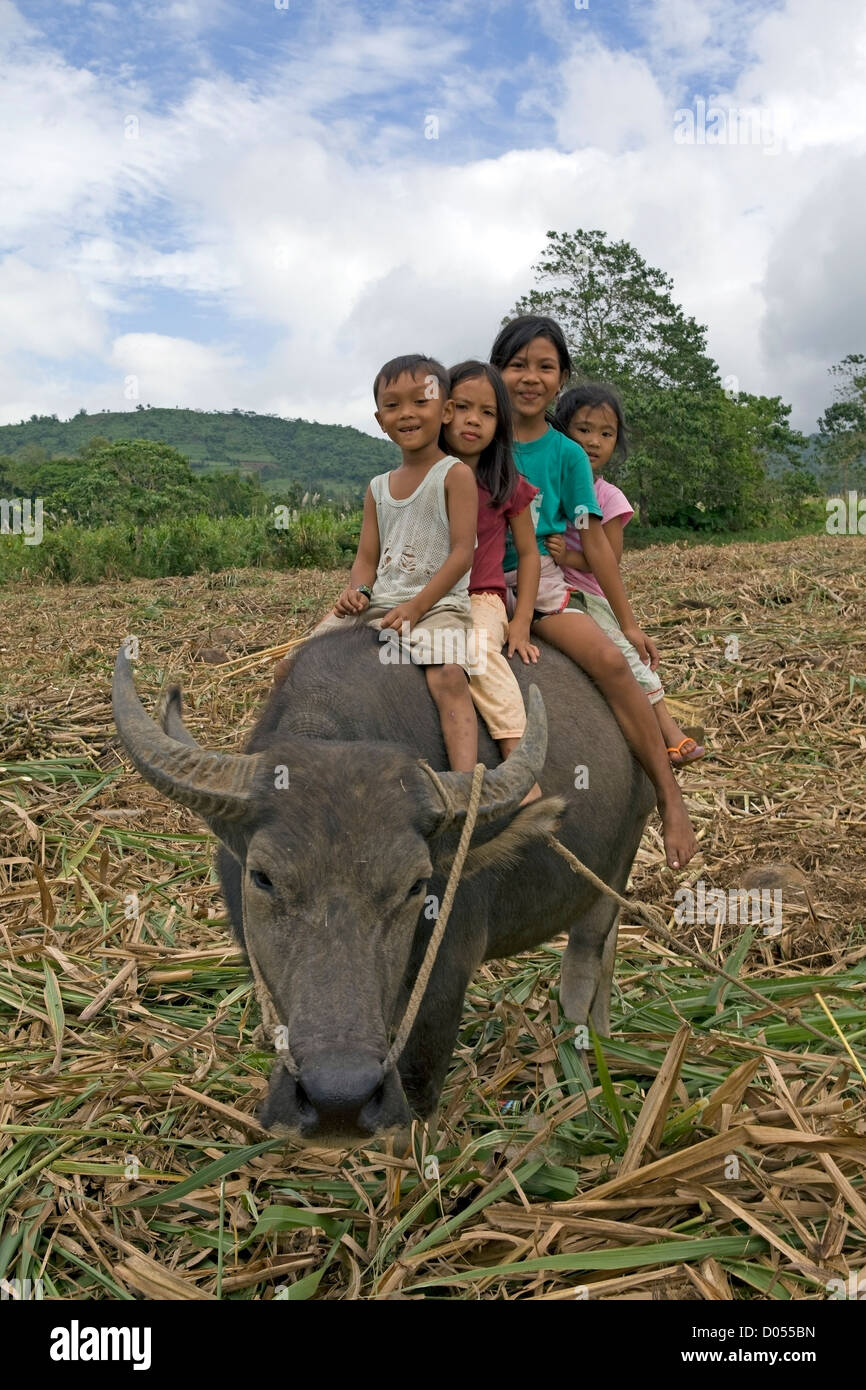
point(613, 503)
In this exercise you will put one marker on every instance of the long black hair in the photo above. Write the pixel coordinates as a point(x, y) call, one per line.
point(518, 333)
point(594, 394)
point(496, 470)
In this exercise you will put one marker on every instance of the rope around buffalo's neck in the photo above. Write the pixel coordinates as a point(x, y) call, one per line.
point(438, 933)
point(270, 1017)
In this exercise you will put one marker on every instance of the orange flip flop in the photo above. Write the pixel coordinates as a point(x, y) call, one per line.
point(686, 751)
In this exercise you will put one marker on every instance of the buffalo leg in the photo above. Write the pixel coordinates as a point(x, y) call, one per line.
point(427, 1055)
point(600, 1006)
point(587, 966)
point(429, 1048)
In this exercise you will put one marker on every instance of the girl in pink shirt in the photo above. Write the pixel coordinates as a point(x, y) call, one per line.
point(592, 416)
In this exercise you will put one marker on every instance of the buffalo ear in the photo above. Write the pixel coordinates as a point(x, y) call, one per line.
point(220, 787)
point(233, 837)
point(535, 822)
point(230, 873)
point(169, 716)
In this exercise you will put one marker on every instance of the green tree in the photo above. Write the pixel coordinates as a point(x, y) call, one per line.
point(94, 445)
point(698, 451)
point(31, 455)
point(133, 480)
point(618, 313)
point(842, 428)
point(229, 494)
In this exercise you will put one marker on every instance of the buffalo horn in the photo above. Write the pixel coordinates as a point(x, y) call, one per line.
point(216, 785)
point(505, 786)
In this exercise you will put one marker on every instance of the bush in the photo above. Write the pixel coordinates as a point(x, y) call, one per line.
point(638, 537)
point(183, 545)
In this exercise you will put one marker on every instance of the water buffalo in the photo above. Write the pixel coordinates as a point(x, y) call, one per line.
point(334, 848)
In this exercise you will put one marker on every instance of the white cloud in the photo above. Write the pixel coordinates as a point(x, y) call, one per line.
point(72, 152)
point(47, 312)
point(815, 290)
point(609, 101)
point(690, 38)
point(157, 369)
point(186, 15)
point(308, 202)
point(14, 28)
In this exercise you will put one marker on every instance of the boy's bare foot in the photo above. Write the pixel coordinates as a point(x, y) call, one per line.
point(678, 834)
point(532, 795)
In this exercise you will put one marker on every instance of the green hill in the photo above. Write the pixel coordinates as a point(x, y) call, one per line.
point(335, 460)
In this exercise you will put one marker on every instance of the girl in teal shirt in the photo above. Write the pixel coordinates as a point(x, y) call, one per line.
point(533, 357)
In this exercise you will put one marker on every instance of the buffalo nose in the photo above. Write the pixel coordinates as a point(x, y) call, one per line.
point(342, 1091)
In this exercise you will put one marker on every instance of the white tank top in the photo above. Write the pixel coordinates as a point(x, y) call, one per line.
point(414, 541)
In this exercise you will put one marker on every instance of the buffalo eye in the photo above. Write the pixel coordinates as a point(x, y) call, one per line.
point(417, 888)
point(260, 879)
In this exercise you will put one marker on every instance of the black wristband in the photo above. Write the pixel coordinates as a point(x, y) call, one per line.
point(365, 590)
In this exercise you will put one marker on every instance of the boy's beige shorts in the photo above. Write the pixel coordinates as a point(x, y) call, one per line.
point(439, 638)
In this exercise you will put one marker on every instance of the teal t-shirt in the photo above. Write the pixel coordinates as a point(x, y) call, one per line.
point(561, 471)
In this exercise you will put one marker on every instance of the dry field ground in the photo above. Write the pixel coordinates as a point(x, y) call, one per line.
point(131, 1164)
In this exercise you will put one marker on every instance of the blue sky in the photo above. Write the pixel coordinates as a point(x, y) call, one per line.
point(218, 204)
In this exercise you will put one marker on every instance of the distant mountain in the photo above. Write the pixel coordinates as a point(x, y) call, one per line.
point(777, 466)
point(334, 460)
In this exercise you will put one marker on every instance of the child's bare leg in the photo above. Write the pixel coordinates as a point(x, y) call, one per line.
point(673, 734)
point(450, 690)
point(583, 640)
point(492, 683)
point(671, 731)
point(506, 748)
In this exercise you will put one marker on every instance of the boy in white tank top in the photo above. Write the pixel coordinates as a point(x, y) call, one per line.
point(411, 573)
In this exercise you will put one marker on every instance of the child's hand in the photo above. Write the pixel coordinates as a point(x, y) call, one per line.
point(644, 646)
point(556, 547)
point(349, 602)
point(653, 651)
point(519, 641)
point(403, 613)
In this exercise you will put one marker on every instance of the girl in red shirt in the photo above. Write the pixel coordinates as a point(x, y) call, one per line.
point(479, 434)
